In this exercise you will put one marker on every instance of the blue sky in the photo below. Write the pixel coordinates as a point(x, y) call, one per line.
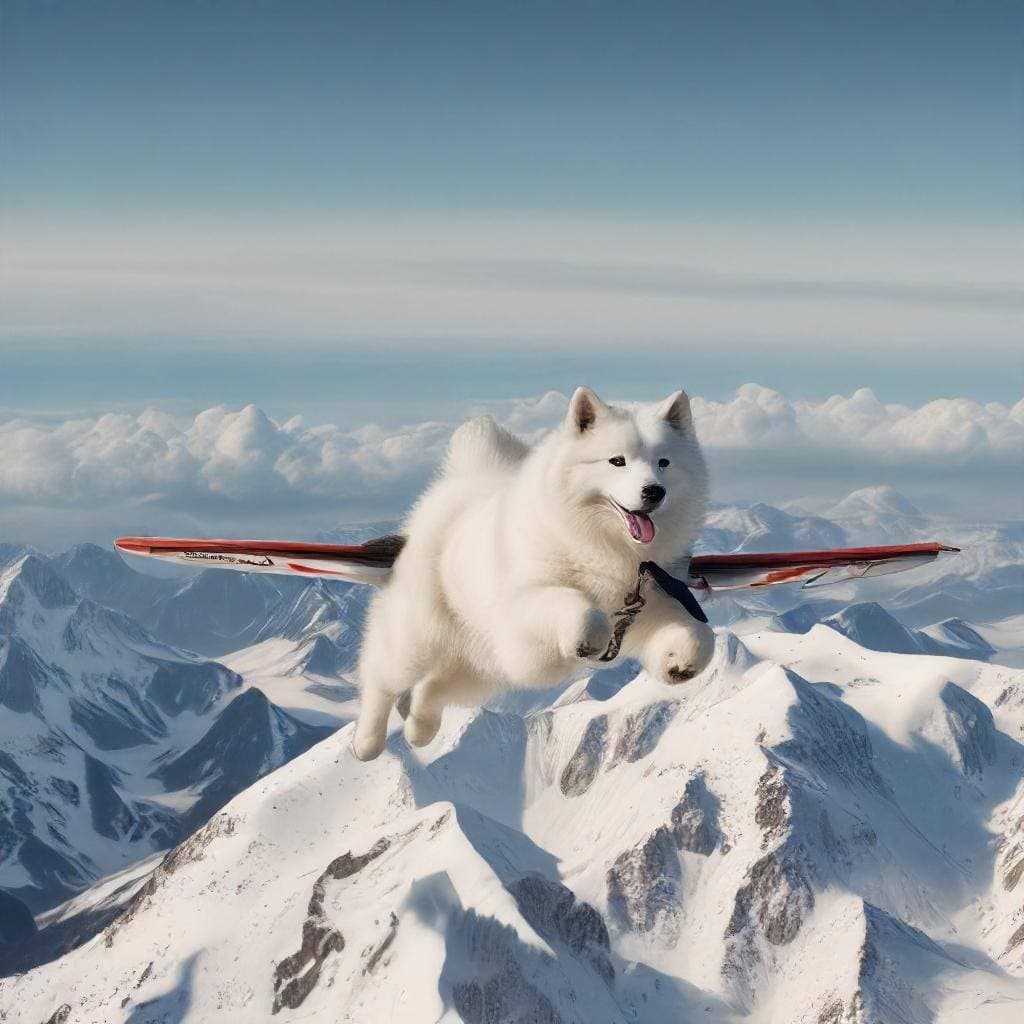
point(891, 109)
point(390, 211)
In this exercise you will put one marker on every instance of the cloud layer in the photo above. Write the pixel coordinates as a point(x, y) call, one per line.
point(575, 284)
point(223, 458)
point(954, 428)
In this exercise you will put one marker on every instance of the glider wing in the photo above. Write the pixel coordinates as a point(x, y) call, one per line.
point(372, 562)
point(357, 563)
point(811, 568)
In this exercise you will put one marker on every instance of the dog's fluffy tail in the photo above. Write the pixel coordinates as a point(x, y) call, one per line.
point(481, 446)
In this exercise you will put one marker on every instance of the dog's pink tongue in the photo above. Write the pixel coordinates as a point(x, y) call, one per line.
point(640, 527)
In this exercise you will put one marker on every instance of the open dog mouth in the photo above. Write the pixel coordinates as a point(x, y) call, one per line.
point(639, 524)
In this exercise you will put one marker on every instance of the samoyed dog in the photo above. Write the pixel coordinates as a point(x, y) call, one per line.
point(516, 559)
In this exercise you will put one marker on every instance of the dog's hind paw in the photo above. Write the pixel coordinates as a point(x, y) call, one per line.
point(419, 730)
point(368, 748)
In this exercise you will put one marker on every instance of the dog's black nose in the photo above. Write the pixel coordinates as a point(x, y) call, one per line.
point(653, 494)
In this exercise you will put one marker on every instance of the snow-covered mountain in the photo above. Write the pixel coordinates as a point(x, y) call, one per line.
point(870, 625)
point(816, 832)
point(211, 612)
point(762, 527)
point(983, 584)
point(113, 744)
point(828, 826)
point(877, 515)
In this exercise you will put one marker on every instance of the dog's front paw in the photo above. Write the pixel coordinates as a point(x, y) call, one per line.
point(590, 638)
point(684, 653)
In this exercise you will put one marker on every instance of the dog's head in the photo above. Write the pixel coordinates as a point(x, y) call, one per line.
point(639, 473)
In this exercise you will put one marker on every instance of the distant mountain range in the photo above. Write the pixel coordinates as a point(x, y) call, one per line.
point(114, 744)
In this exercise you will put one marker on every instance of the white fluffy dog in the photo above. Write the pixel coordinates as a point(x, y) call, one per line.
point(517, 558)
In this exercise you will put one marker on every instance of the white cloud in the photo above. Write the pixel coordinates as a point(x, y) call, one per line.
point(957, 428)
point(243, 460)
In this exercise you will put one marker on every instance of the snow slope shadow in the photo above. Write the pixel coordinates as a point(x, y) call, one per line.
point(956, 767)
point(491, 974)
point(172, 1005)
point(484, 769)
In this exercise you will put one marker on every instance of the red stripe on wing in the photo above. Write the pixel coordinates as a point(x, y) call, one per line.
point(313, 571)
point(701, 564)
point(382, 551)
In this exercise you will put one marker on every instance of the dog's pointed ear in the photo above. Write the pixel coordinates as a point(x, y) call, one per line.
point(584, 409)
point(675, 411)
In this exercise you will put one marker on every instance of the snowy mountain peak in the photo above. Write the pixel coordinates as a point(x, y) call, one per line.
point(766, 528)
point(22, 676)
point(248, 738)
point(880, 500)
point(33, 577)
point(870, 625)
point(91, 626)
point(817, 830)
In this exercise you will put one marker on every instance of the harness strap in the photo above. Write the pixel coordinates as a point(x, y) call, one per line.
point(634, 603)
point(675, 588)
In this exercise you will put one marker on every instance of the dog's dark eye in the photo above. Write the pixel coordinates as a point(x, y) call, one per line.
point(662, 463)
point(618, 460)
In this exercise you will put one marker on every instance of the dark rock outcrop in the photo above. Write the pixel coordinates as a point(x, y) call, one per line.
point(643, 885)
point(501, 987)
point(55, 875)
point(116, 718)
point(695, 818)
point(582, 768)
point(111, 817)
point(640, 732)
point(777, 895)
point(17, 925)
point(771, 811)
point(552, 909)
point(22, 675)
point(296, 976)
